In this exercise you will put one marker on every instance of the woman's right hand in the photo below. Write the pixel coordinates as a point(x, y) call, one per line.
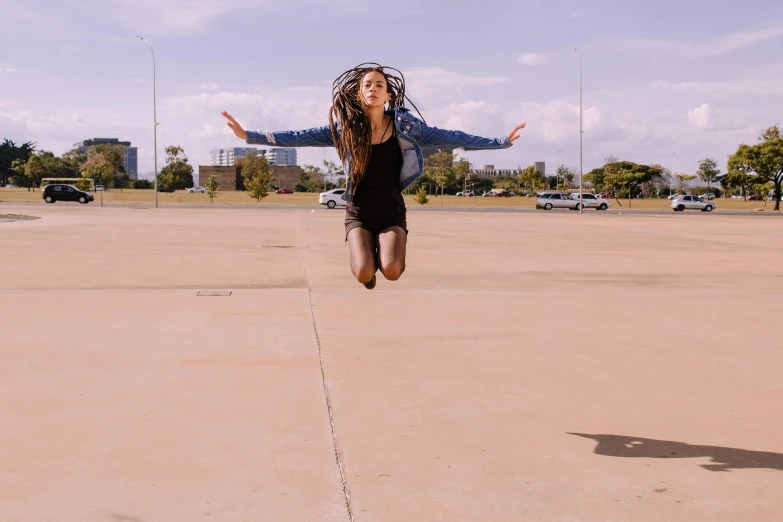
point(239, 132)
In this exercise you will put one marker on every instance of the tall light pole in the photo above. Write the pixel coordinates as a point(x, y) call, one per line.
point(671, 174)
point(581, 205)
point(557, 169)
point(155, 121)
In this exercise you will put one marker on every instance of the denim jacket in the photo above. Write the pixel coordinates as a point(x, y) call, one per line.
point(412, 134)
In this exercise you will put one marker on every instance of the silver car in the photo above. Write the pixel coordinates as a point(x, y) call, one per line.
point(692, 203)
point(550, 200)
point(592, 201)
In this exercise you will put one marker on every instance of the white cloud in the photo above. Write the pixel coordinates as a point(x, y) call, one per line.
point(575, 15)
point(531, 59)
point(211, 86)
point(138, 80)
point(7, 69)
point(554, 121)
point(741, 87)
point(700, 116)
point(434, 83)
point(704, 47)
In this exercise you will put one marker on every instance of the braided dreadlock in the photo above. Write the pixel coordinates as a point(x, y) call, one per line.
point(355, 137)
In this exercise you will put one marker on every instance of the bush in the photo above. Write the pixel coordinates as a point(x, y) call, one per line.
point(421, 196)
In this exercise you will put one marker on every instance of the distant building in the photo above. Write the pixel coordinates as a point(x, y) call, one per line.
point(230, 177)
point(540, 167)
point(489, 171)
point(227, 157)
point(281, 156)
point(130, 156)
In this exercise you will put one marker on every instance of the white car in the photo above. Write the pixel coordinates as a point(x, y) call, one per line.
point(592, 201)
point(199, 190)
point(692, 203)
point(550, 200)
point(332, 198)
point(467, 194)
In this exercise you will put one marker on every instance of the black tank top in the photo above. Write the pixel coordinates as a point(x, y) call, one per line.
point(378, 197)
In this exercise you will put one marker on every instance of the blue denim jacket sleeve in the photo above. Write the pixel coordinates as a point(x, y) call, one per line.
point(315, 137)
point(434, 137)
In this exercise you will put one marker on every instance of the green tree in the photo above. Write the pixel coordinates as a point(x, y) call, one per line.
point(99, 169)
point(421, 196)
point(682, 182)
point(629, 176)
point(18, 176)
point(256, 174)
point(35, 170)
point(74, 159)
point(178, 173)
point(531, 180)
point(597, 178)
point(738, 179)
point(212, 188)
point(764, 190)
point(9, 153)
point(566, 175)
point(439, 169)
point(333, 172)
point(142, 184)
point(114, 154)
point(763, 160)
point(708, 172)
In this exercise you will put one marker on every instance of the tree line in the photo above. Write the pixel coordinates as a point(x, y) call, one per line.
point(25, 166)
point(756, 168)
point(752, 168)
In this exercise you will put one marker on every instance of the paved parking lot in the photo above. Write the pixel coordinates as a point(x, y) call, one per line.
point(527, 366)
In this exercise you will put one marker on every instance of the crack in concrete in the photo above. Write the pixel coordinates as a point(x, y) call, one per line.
point(335, 443)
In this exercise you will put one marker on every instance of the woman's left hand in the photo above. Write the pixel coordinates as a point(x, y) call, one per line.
point(514, 134)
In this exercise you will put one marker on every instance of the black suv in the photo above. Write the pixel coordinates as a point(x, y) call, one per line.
point(52, 193)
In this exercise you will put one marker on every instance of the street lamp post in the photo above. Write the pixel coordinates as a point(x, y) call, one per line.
point(581, 175)
point(671, 174)
point(155, 121)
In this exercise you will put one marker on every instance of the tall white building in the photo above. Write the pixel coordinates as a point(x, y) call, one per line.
point(281, 156)
point(226, 157)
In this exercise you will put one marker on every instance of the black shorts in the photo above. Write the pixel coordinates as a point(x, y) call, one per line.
point(376, 226)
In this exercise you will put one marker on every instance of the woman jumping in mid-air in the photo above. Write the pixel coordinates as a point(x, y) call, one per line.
point(379, 143)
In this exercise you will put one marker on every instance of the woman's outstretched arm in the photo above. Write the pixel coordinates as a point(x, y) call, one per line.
point(440, 138)
point(315, 137)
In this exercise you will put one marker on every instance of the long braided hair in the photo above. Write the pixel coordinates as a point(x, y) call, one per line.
point(354, 139)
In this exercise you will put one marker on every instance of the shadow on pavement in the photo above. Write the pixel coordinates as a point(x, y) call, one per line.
point(725, 459)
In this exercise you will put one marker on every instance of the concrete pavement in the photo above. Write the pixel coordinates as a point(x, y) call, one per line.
point(525, 367)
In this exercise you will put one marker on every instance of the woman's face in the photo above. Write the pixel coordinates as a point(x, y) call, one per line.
point(374, 91)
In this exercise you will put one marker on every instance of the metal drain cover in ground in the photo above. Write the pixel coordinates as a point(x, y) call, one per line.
point(213, 293)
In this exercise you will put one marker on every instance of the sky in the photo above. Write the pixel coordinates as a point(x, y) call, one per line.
point(664, 82)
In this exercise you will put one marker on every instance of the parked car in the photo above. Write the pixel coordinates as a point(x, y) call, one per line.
point(489, 194)
point(674, 196)
point(98, 188)
point(504, 194)
point(11, 185)
point(332, 198)
point(57, 192)
point(688, 202)
point(755, 197)
point(284, 191)
point(592, 201)
point(467, 194)
point(709, 196)
point(197, 190)
point(550, 200)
